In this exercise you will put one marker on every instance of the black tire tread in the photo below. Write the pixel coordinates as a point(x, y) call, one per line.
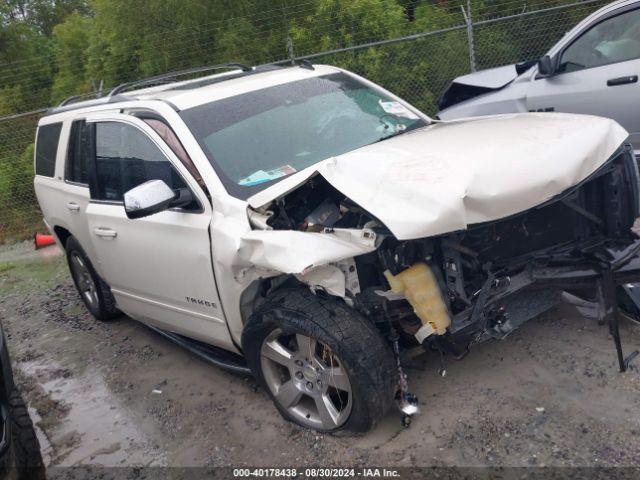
point(351, 336)
point(28, 458)
point(108, 300)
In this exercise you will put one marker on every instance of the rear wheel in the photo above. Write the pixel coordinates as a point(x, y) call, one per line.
point(94, 291)
point(323, 364)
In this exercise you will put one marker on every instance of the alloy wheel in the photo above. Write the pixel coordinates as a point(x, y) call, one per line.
point(306, 379)
point(84, 280)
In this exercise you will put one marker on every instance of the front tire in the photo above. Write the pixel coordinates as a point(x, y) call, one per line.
point(323, 364)
point(94, 291)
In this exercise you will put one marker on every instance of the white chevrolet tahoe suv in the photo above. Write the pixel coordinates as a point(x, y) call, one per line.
point(308, 226)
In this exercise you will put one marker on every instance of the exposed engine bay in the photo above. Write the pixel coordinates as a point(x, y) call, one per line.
point(449, 291)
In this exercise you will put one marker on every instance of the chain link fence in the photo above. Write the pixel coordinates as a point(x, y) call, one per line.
point(417, 63)
point(19, 215)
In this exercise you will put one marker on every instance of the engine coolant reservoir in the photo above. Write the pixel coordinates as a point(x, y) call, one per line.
point(420, 287)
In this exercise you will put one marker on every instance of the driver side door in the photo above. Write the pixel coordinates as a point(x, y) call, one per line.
point(597, 74)
point(158, 267)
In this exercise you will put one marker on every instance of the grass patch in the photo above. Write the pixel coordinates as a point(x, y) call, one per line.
point(5, 267)
point(32, 276)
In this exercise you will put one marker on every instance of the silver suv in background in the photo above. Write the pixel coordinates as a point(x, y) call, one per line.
point(593, 70)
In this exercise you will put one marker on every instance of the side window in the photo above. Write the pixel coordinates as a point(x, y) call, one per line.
point(125, 158)
point(616, 39)
point(47, 148)
point(168, 135)
point(76, 167)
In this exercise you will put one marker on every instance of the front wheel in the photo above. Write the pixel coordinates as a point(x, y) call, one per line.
point(323, 364)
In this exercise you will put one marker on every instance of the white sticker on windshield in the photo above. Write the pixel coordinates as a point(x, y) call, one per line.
point(262, 176)
point(397, 109)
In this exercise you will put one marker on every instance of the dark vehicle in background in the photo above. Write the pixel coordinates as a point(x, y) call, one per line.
point(20, 457)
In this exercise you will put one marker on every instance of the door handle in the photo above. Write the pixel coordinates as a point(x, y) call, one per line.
point(105, 232)
point(73, 206)
point(614, 82)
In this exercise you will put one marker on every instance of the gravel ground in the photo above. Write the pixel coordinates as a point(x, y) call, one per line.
point(550, 394)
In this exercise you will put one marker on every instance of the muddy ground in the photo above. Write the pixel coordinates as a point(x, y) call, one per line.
point(550, 394)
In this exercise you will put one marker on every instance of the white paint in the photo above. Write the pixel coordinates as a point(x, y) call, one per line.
point(450, 175)
point(179, 268)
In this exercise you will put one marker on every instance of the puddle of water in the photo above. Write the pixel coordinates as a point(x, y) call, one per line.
point(98, 429)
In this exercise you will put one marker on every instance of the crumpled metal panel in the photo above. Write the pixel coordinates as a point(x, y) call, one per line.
point(450, 175)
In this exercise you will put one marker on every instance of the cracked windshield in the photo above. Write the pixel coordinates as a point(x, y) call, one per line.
point(258, 138)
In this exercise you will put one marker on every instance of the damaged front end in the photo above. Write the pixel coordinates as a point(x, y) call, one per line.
point(450, 291)
point(495, 276)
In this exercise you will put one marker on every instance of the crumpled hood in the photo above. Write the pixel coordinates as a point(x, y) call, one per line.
point(453, 174)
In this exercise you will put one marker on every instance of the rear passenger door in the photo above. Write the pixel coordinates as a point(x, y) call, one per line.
point(50, 141)
point(159, 267)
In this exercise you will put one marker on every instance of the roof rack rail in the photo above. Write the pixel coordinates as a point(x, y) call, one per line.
point(304, 63)
point(69, 104)
point(114, 96)
point(73, 98)
point(166, 76)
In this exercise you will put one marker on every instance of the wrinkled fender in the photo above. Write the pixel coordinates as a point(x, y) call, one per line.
point(309, 256)
point(297, 252)
point(242, 255)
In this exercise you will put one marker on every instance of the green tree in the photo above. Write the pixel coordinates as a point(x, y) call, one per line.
point(25, 78)
point(338, 24)
point(137, 39)
point(70, 41)
point(42, 15)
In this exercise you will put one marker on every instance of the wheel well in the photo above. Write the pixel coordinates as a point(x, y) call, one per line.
point(253, 296)
point(62, 233)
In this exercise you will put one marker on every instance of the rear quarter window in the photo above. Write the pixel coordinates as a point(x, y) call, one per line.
point(47, 148)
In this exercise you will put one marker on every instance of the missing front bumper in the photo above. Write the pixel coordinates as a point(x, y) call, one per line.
point(604, 269)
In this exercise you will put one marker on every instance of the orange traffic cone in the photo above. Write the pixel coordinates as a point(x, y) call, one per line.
point(41, 240)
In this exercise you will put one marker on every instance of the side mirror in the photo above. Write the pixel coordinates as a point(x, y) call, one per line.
point(524, 66)
point(148, 198)
point(183, 198)
point(545, 66)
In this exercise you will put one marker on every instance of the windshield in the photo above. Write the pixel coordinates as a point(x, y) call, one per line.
point(256, 139)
